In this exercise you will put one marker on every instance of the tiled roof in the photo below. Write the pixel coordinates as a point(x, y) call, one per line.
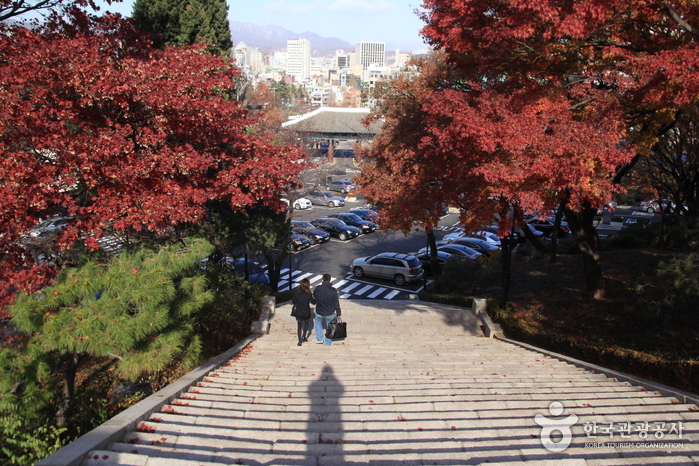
point(334, 121)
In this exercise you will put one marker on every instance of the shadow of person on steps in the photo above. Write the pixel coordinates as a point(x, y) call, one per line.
point(325, 430)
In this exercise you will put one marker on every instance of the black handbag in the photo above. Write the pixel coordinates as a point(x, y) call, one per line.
point(337, 329)
point(294, 311)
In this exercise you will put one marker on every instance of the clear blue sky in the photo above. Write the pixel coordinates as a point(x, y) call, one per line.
point(392, 21)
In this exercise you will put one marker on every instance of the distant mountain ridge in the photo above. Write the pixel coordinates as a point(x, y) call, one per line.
point(273, 37)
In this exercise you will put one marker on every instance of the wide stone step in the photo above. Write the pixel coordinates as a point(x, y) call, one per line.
point(413, 384)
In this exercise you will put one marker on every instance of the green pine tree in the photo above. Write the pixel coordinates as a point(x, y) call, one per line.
point(180, 22)
point(138, 310)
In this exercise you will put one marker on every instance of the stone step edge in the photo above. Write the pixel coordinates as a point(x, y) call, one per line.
point(115, 428)
point(681, 395)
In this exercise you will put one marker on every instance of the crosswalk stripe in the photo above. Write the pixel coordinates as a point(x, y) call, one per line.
point(391, 294)
point(283, 285)
point(351, 287)
point(364, 290)
point(344, 286)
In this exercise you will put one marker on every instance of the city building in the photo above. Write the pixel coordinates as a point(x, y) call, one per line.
point(342, 60)
point(298, 59)
point(370, 54)
point(402, 59)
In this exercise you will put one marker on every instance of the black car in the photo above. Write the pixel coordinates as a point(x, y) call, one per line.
point(299, 242)
point(364, 226)
point(479, 245)
point(442, 258)
point(547, 224)
point(336, 228)
point(367, 214)
point(316, 235)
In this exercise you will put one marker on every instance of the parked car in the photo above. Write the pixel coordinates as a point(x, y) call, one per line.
point(367, 214)
point(336, 228)
point(300, 203)
point(364, 226)
point(343, 187)
point(325, 198)
point(49, 225)
point(454, 236)
point(442, 258)
point(400, 268)
point(456, 250)
point(654, 205)
point(488, 236)
point(299, 242)
point(478, 245)
point(535, 231)
point(316, 235)
point(547, 224)
point(256, 275)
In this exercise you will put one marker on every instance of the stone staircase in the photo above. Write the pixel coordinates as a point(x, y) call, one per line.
point(415, 383)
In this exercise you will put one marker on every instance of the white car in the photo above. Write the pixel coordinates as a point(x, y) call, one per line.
point(454, 236)
point(299, 204)
point(488, 236)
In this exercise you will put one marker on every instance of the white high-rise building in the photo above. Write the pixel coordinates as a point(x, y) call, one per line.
point(298, 59)
point(370, 54)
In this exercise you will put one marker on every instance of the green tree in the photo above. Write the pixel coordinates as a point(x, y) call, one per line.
point(137, 310)
point(181, 22)
point(257, 230)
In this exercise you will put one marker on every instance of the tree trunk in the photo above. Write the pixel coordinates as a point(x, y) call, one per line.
point(582, 227)
point(556, 228)
point(432, 246)
point(275, 260)
point(506, 245)
point(534, 240)
point(63, 413)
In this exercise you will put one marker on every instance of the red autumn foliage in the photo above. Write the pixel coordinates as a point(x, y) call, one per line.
point(97, 125)
point(529, 104)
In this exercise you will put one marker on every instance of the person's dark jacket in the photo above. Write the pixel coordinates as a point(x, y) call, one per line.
point(327, 300)
point(302, 301)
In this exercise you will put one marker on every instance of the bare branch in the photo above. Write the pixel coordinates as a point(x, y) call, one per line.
point(676, 17)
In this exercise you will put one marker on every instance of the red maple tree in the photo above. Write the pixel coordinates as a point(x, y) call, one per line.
point(541, 103)
point(97, 125)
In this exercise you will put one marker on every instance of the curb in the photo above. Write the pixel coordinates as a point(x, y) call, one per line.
point(262, 325)
point(115, 428)
point(490, 328)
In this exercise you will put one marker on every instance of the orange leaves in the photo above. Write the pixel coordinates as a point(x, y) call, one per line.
point(145, 428)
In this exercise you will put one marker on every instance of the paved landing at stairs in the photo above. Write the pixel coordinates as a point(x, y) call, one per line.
point(415, 383)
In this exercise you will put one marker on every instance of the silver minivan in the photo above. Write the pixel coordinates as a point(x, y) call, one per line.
point(400, 268)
